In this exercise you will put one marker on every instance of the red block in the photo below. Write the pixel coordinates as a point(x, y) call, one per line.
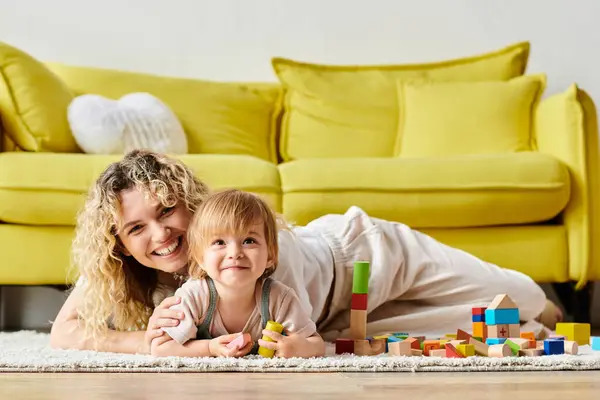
point(359, 301)
point(451, 351)
point(344, 346)
point(479, 310)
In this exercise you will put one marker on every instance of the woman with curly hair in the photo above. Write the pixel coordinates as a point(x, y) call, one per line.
point(131, 252)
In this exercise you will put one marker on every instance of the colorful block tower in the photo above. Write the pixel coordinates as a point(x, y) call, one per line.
point(360, 293)
point(502, 320)
point(479, 327)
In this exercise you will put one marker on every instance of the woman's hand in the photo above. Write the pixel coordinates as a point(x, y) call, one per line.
point(162, 317)
point(218, 347)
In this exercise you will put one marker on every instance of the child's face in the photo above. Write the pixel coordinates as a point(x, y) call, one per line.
point(153, 234)
point(236, 260)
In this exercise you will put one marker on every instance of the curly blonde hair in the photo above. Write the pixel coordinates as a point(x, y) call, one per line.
point(117, 288)
point(231, 211)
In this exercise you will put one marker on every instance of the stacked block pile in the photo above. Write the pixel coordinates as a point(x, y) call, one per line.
point(496, 332)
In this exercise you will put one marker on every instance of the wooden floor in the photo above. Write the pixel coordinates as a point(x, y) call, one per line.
point(311, 386)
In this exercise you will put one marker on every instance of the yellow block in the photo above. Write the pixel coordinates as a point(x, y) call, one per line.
point(575, 332)
point(467, 350)
point(271, 326)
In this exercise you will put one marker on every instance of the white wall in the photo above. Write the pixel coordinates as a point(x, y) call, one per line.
point(235, 39)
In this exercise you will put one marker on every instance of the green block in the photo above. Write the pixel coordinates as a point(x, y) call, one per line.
point(478, 338)
point(513, 347)
point(360, 282)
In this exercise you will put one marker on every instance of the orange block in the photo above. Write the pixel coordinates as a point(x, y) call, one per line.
point(528, 336)
point(480, 330)
point(430, 345)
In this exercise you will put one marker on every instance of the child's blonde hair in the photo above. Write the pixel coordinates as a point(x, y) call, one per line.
point(118, 288)
point(231, 211)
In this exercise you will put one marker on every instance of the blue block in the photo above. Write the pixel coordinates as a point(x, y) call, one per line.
point(502, 316)
point(479, 318)
point(393, 339)
point(491, 341)
point(595, 340)
point(554, 347)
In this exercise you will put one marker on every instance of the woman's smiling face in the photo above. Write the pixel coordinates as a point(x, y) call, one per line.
point(153, 234)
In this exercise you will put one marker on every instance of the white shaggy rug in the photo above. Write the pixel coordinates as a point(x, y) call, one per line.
point(28, 351)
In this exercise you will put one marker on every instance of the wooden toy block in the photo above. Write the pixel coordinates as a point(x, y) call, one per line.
point(552, 347)
point(274, 327)
point(451, 336)
point(478, 310)
point(571, 347)
point(358, 324)
point(480, 330)
point(241, 341)
point(344, 346)
point(378, 346)
point(494, 341)
point(479, 339)
point(362, 347)
point(429, 345)
point(522, 343)
point(532, 344)
point(416, 353)
point(497, 331)
point(531, 352)
point(467, 350)
point(539, 344)
point(502, 316)
point(457, 343)
point(516, 345)
point(480, 348)
point(359, 301)
point(360, 277)
point(421, 339)
point(557, 337)
point(438, 353)
point(527, 335)
point(400, 348)
point(478, 318)
point(462, 335)
point(443, 343)
point(501, 301)
point(400, 334)
point(514, 330)
point(499, 351)
point(452, 352)
point(393, 339)
point(414, 343)
point(576, 332)
point(595, 342)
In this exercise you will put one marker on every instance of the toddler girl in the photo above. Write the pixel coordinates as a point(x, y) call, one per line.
point(233, 250)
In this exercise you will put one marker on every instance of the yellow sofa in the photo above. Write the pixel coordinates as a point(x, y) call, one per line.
point(513, 181)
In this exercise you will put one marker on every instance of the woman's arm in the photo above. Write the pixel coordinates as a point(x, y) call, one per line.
point(67, 333)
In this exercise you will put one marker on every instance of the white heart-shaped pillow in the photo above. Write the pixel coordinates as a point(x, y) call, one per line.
point(136, 121)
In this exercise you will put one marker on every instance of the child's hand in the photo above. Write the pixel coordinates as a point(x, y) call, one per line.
point(293, 345)
point(218, 347)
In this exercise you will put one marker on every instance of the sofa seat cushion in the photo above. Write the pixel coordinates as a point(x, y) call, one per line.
point(458, 191)
point(50, 188)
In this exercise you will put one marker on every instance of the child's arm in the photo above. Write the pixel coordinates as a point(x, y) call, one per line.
point(165, 346)
point(302, 339)
point(294, 345)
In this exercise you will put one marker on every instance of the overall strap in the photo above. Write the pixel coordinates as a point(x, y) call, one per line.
point(203, 331)
point(264, 302)
point(264, 309)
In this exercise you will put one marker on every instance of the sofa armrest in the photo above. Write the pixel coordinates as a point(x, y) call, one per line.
point(566, 128)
